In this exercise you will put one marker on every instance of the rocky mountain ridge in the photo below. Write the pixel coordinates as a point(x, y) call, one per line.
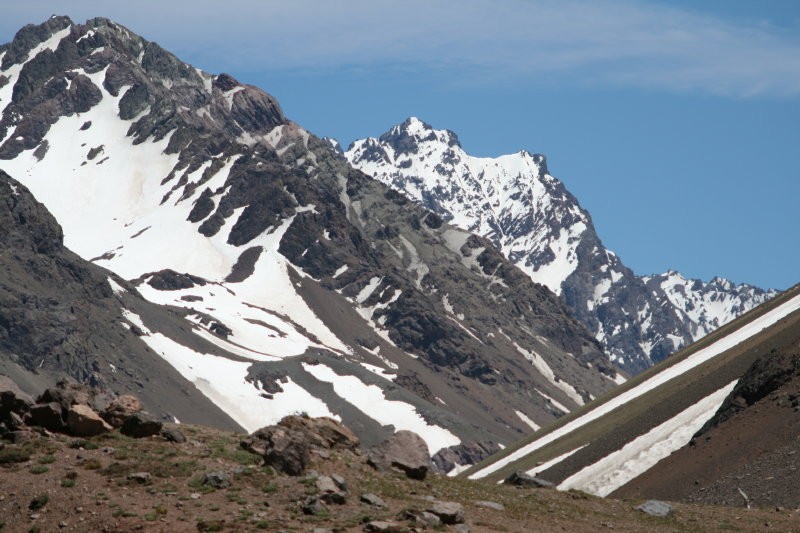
point(515, 202)
point(298, 282)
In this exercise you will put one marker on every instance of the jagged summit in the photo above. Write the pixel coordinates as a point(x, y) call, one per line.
point(515, 202)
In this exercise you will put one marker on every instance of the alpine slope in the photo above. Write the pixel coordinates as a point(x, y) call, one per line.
point(299, 283)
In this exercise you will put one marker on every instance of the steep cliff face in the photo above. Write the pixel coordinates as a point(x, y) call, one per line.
point(539, 226)
point(305, 284)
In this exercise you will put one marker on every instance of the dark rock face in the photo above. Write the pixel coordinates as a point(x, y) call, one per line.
point(140, 425)
point(47, 415)
point(12, 398)
point(405, 451)
point(469, 453)
point(169, 280)
point(51, 303)
point(766, 375)
point(218, 480)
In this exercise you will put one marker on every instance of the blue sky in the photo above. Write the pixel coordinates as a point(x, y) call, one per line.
point(675, 123)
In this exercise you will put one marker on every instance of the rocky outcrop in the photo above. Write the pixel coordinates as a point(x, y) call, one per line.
point(769, 373)
point(322, 432)
point(405, 451)
point(283, 449)
point(468, 453)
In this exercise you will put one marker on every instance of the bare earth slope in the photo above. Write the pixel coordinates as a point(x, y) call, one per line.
point(750, 445)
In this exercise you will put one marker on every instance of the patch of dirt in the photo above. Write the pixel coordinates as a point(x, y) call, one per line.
point(64, 484)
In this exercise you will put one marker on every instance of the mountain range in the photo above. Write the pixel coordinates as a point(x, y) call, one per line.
point(530, 216)
point(237, 260)
point(171, 234)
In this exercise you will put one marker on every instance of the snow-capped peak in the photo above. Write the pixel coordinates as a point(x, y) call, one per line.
point(529, 215)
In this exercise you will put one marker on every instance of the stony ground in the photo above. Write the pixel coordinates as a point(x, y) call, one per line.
point(60, 483)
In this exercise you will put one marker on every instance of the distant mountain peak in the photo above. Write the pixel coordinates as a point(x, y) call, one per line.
point(406, 138)
point(529, 215)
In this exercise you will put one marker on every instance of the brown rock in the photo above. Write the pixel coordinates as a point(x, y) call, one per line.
point(83, 421)
point(404, 450)
point(120, 409)
point(322, 432)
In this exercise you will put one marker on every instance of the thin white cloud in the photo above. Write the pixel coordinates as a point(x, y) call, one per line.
point(605, 42)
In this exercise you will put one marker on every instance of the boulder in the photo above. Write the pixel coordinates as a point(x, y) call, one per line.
point(283, 449)
point(313, 506)
point(67, 393)
point(422, 519)
point(655, 508)
point(405, 450)
point(173, 434)
point(218, 480)
point(120, 409)
point(12, 398)
point(83, 421)
point(330, 492)
point(142, 478)
point(322, 432)
point(466, 453)
point(490, 505)
point(523, 479)
point(141, 424)
point(46, 415)
point(373, 500)
point(384, 527)
point(449, 512)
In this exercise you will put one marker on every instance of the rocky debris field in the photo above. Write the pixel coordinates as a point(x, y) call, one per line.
point(304, 474)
